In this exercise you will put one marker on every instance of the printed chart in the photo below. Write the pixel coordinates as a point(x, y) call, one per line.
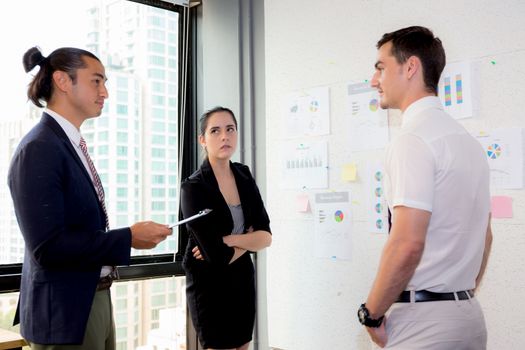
point(455, 90)
point(376, 204)
point(307, 113)
point(333, 225)
point(304, 165)
point(504, 151)
point(367, 123)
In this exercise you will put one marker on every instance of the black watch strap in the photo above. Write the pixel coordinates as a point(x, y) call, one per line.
point(364, 318)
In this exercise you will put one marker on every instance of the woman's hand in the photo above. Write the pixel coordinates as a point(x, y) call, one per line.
point(229, 240)
point(197, 253)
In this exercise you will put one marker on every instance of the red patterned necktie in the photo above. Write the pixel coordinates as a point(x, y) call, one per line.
point(96, 179)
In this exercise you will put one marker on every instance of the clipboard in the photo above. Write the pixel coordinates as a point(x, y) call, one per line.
point(191, 218)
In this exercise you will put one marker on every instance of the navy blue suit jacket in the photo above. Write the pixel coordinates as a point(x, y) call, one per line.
point(62, 222)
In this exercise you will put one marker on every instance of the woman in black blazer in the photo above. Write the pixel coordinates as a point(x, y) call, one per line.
point(220, 283)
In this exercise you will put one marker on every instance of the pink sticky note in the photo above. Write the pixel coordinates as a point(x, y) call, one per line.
point(303, 203)
point(501, 206)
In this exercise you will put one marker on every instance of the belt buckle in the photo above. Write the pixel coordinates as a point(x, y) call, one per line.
point(106, 281)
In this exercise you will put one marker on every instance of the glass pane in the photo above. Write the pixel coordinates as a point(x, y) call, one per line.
point(150, 313)
point(137, 44)
point(8, 302)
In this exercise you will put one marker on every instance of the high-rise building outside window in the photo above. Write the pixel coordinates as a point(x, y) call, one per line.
point(133, 143)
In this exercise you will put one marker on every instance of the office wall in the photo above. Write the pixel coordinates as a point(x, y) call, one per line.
point(312, 302)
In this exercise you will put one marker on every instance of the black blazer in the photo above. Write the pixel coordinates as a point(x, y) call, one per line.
point(201, 191)
point(62, 222)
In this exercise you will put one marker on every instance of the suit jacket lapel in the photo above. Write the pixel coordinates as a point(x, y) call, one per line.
point(60, 133)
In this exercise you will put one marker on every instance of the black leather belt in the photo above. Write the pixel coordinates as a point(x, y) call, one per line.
point(425, 295)
point(104, 282)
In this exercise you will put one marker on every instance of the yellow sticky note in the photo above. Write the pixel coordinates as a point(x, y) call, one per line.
point(349, 172)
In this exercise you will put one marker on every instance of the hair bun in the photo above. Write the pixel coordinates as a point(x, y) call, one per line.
point(32, 58)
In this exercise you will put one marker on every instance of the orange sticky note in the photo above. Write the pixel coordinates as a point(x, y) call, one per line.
point(303, 203)
point(349, 172)
point(501, 206)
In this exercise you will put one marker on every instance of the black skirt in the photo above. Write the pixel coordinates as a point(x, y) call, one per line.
point(221, 300)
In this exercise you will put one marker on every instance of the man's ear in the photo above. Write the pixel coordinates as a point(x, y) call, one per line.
point(413, 66)
point(61, 80)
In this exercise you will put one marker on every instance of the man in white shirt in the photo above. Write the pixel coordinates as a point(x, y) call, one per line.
point(437, 187)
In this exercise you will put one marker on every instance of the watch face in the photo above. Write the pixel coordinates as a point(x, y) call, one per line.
point(362, 314)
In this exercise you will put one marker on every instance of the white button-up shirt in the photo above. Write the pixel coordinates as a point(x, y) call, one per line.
point(437, 166)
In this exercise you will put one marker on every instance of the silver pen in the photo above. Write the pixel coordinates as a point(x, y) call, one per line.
point(191, 218)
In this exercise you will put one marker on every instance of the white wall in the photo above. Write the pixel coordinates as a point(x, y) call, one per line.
point(312, 302)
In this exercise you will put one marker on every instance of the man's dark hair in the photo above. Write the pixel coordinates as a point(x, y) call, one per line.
point(66, 59)
point(420, 42)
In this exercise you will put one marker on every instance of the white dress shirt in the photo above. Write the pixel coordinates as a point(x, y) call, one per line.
point(437, 166)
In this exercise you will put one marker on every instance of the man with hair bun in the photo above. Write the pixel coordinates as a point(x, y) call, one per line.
point(71, 253)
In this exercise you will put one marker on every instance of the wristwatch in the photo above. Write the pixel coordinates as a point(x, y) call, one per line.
point(364, 317)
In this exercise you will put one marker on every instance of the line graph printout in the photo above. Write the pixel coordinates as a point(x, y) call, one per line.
point(367, 122)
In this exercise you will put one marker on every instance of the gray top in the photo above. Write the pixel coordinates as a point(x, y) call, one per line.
point(238, 218)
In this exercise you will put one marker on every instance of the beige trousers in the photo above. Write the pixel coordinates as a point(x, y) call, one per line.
point(436, 325)
point(100, 330)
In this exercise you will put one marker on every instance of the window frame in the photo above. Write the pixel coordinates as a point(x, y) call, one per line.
point(157, 265)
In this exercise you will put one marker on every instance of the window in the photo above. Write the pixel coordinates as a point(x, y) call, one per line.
point(122, 109)
point(158, 126)
point(158, 192)
point(122, 123)
point(122, 96)
point(103, 136)
point(122, 82)
point(136, 46)
point(157, 60)
point(122, 164)
point(122, 206)
point(122, 178)
point(102, 150)
point(158, 300)
point(157, 87)
point(158, 206)
point(156, 34)
point(122, 192)
point(102, 164)
point(158, 140)
point(122, 151)
point(157, 100)
point(158, 166)
point(158, 152)
point(157, 179)
point(156, 74)
point(158, 113)
point(122, 137)
point(156, 21)
point(156, 47)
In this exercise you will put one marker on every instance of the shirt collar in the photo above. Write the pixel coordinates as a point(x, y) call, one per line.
point(423, 104)
point(71, 131)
